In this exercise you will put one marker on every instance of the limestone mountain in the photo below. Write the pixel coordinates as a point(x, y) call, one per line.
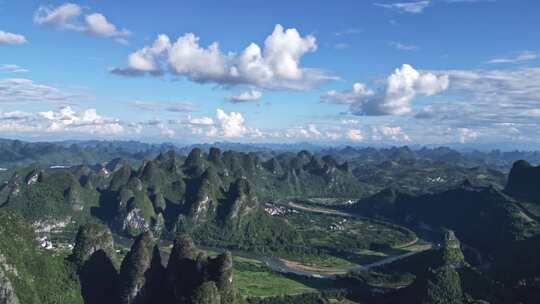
point(217, 197)
point(92, 256)
point(189, 276)
point(524, 181)
point(142, 275)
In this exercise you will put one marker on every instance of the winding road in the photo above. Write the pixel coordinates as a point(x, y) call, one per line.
point(285, 266)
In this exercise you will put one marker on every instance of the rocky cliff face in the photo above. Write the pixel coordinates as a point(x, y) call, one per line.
point(7, 291)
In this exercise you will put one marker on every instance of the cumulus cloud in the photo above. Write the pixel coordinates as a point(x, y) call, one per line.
point(62, 16)
point(69, 16)
point(65, 120)
point(25, 90)
point(406, 7)
point(224, 124)
point(247, 96)
point(12, 68)
point(11, 38)
point(276, 66)
point(520, 57)
point(396, 95)
point(99, 25)
point(310, 131)
point(389, 132)
point(232, 124)
point(86, 121)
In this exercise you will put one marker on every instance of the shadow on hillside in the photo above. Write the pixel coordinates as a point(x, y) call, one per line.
point(107, 206)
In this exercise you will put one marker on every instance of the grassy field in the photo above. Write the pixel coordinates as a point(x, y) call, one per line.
point(323, 260)
point(254, 279)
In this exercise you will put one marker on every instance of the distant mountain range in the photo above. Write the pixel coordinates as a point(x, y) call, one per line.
point(69, 153)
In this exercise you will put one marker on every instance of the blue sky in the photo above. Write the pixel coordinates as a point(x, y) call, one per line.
point(355, 72)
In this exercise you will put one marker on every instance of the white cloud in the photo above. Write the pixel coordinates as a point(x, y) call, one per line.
point(387, 132)
point(66, 120)
point(314, 130)
point(200, 121)
point(165, 131)
point(358, 93)
point(309, 132)
point(62, 16)
point(11, 38)
point(69, 16)
point(349, 130)
point(247, 96)
point(87, 121)
point(232, 124)
point(404, 47)
point(355, 135)
point(395, 97)
point(99, 25)
point(406, 7)
point(12, 68)
point(148, 59)
point(465, 134)
point(14, 115)
point(520, 57)
point(277, 66)
point(517, 87)
point(224, 124)
point(25, 90)
point(490, 101)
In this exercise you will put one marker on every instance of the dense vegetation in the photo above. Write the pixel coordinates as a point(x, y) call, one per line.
point(466, 233)
point(29, 274)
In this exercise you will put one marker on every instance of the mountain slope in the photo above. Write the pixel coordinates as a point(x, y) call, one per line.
point(28, 274)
